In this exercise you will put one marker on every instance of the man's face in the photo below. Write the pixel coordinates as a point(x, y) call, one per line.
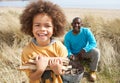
point(76, 24)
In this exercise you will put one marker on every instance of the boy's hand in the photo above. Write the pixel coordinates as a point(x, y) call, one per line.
point(41, 63)
point(56, 66)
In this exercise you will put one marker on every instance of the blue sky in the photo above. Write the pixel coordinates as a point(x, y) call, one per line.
point(101, 4)
point(109, 4)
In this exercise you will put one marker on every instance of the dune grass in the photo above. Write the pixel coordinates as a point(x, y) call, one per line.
point(107, 33)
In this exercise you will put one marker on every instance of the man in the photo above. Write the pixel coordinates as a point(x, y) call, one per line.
point(81, 42)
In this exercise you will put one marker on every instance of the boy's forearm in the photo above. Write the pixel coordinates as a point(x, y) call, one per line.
point(33, 67)
point(36, 75)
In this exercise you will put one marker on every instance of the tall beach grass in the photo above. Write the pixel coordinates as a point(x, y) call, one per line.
point(107, 33)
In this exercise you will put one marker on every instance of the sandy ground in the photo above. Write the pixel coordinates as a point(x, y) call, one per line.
point(107, 14)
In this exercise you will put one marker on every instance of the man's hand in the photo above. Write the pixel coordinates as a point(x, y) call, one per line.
point(72, 57)
point(81, 54)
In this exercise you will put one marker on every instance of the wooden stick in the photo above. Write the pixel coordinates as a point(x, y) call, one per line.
point(65, 60)
point(31, 64)
point(33, 67)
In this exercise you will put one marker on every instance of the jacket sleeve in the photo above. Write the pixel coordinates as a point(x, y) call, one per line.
point(91, 41)
point(67, 44)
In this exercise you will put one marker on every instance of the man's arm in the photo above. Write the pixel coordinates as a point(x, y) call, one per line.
point(91, 41)
point(67, 44)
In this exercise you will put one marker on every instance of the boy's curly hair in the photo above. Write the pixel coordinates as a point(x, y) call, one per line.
point(53, 10)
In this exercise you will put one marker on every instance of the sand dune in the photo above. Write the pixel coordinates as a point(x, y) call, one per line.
point(107, 14)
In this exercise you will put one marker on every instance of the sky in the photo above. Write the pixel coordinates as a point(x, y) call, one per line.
point(109, 4)
point(99, 4)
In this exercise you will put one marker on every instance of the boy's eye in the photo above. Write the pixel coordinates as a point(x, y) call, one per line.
point(48, 26)
point(37, 25)
point(45, 26)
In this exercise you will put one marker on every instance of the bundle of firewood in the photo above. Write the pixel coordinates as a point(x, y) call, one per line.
point(73, 69)
point(69, 66)
point(30, 64)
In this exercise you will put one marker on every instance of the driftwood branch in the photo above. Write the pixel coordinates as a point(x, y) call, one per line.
point(31, 64)
point(33, 67)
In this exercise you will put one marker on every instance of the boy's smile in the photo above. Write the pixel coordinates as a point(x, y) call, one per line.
point(42, 29)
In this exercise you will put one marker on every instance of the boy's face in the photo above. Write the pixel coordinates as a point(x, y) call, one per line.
point(42, 28)
point(76, 24)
